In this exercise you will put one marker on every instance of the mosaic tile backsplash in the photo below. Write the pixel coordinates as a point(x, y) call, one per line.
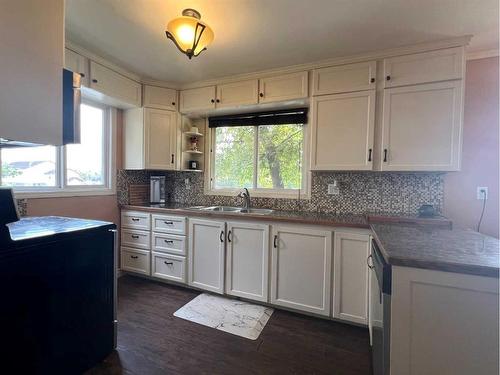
point(360, 192)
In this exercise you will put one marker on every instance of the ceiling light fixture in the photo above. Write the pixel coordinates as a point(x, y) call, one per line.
point(189, 34)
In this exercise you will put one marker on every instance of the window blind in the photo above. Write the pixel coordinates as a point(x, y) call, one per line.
point(281, 117)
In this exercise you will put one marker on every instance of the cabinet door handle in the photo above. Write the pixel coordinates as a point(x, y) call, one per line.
point(94, 80)
point(221, 236)
point(135, 219)
point(134, 256)
point(368, 263)
point(169, 263)
point(385, 155)
point(169, 222)
point(388, 78)
point(275, 241)
point(370, 154)
point(82, 75)
point(169, 241)
point(173, 103)
point(172, 159)
point(261, 94)
point(229, 235)
point(212, 100)
point(135, 236)
point(217, 100)
point(372, 80)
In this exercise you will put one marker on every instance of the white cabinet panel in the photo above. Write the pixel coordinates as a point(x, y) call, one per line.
point(169, 267)
point(134, 260)
point(136, 220)
point(114, 85)
point(196, 100)
point(345, 78)
point(247, 262)
point(237, 93)
point(422, 127)
point(160, 98)
point(301, 269)
point(169, 224)
point(342, 131)
point(77, 64)
point(283, 87)
point(350, 275)
point(206, 254)
point(440, 65)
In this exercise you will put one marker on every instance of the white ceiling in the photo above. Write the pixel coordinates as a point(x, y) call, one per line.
point(252, 35)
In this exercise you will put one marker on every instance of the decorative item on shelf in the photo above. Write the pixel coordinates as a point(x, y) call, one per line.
point(190, 35)
point(193, 164)
point(194, 130)
point(194, 144)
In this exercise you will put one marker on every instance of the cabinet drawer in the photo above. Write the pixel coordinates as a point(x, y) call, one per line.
point(170, 267)
point(426, 67)
point(344, 78)
point(134, 260)
point(136, 238)
point(169, 224)
point(160, 97)
point(136, 220)
point(169, 243)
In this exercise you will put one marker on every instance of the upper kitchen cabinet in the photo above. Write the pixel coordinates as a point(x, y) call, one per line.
point(150, 139)
point(342, 131)
point(284, 87)
point(422, 127)
point(235, 94)
point(78, 64)
point(197, 100)
point(345, 78)
point(114, 88)
point(160, 98)
point(440, 65)
point(32, 45)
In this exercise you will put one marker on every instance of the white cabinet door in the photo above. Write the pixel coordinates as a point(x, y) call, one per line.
point(196, 100)
point(159, 138)
point(237, 93)
point(283, 87)
point(206, 254)
point(350, 277)
point(345, 78)
point(247, 262)
point(114, 85)
point(422, 127)
point(301, 269)
point(440, 65)
point(160, 98)
point(77, 64)
point(342, 131)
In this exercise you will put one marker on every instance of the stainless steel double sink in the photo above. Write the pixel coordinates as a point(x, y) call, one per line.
point(236, 210)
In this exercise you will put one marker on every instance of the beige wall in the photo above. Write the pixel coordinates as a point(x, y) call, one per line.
point(480, 166)
point(99, 207)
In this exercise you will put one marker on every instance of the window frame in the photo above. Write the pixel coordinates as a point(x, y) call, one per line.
point(302, 193)
point(109, 165)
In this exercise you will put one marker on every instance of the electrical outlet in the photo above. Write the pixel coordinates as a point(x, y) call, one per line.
point(187, 182)
point(482, 192)
point(333, 189)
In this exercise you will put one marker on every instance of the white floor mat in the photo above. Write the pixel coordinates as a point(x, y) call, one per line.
point(229, 315)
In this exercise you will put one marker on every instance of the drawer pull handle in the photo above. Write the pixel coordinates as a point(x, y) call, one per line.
point(169, 222)
point(169, 241)
point(94, 80)
point(135, 236)
point(134, 256)
point(135, 219)
point(169, 263)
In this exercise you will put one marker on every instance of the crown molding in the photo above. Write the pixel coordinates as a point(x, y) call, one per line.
point(482, 54)
point(372, 55)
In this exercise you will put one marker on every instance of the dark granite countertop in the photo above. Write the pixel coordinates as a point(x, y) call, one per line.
point(344, 220)
point(452, 250)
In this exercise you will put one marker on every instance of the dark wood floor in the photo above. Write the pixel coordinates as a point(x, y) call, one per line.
point(152, 341)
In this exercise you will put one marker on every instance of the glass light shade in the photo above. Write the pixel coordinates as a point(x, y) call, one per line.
point(185, 31)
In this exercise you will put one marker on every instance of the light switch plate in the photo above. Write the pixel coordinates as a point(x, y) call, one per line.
point(333, 189)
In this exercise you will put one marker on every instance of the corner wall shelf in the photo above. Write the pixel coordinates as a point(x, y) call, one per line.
point(193, 152)
point(193, 134)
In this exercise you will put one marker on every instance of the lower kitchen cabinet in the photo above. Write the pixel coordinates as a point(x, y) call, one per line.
point(350, 277)
point(135, 260)
point(170, 267)
point(206, 254)
point(301, 269)
point(247, 260)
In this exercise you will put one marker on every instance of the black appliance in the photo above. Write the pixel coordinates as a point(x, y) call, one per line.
point(58, 288)
point(381, 297)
